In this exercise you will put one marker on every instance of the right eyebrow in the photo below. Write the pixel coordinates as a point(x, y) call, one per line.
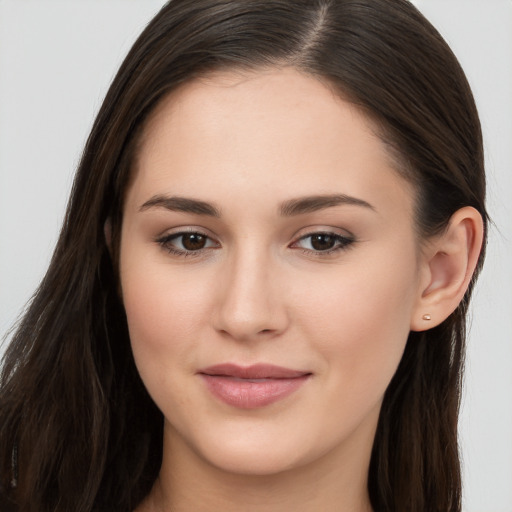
point(181, 204)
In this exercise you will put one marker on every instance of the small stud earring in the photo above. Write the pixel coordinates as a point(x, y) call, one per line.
point(426, 317)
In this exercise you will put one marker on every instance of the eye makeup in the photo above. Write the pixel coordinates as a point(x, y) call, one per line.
point(194, 243)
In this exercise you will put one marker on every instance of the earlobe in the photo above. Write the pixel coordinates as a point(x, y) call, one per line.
point(448, 266)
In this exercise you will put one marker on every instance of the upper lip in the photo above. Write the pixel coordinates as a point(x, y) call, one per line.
point(255, 371)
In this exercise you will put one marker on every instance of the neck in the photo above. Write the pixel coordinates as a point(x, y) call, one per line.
point(195, 484)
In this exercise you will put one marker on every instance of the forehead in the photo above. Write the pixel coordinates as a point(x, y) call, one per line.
point(264, 100)
point(276, 131)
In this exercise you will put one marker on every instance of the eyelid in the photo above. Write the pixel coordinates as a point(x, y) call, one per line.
point(328, 230)
point(164, 241)
point(186, 228)
point(345, 241)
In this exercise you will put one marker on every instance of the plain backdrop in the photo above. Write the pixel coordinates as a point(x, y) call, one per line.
point(57, 59)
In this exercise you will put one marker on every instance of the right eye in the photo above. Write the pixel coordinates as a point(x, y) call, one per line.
point(186, 243)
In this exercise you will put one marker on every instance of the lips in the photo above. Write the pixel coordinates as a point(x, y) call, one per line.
point(250, 387)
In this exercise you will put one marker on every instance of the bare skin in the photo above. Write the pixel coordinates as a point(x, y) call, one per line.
point(239, 269)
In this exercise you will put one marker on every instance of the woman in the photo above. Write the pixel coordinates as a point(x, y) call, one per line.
point(258, 298)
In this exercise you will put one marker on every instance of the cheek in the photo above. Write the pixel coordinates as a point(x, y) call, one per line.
point(164, 312)
point(359, 320)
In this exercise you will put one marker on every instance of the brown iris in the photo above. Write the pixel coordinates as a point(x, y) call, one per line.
point(322, 242)
point(193, 241)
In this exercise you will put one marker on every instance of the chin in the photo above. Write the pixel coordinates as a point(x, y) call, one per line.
point(253, 461)
point(244, 449)
point(256, 450)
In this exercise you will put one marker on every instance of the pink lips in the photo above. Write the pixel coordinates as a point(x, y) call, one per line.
point(252, 386)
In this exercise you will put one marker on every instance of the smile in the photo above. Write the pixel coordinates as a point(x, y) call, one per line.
point(253, 386)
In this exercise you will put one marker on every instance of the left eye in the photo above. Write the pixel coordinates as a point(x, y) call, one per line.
point(323, 242)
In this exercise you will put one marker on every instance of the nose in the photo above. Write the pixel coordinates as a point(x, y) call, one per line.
point(251, 300)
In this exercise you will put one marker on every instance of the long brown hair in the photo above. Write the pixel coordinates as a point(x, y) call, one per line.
point(78, 430)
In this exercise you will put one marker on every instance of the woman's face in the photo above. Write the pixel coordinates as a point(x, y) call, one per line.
point(265, 225)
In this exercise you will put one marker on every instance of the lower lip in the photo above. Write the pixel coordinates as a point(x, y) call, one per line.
point(250, 394)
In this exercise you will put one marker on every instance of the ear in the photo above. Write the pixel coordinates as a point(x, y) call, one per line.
point(447, 265)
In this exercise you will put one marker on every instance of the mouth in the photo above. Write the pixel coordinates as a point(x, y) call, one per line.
point(251, 387)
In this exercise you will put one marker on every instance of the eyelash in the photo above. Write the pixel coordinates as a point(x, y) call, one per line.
point(342, 243)
point(165, 241)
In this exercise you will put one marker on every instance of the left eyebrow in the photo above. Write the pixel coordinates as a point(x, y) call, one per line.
point(310, 204)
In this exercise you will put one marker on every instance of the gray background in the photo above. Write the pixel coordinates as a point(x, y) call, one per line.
point(56, 61)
